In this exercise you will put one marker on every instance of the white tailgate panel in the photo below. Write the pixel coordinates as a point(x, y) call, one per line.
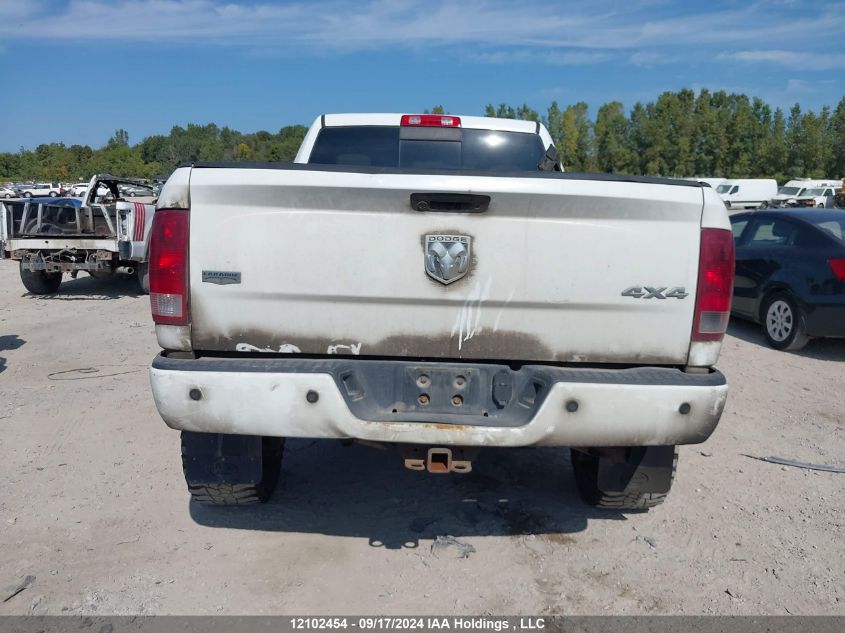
point(333, 263)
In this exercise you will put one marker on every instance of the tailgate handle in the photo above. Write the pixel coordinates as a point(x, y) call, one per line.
point(450, 202)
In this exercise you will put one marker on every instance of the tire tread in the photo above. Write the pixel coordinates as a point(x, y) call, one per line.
point(238, 494)
point(586, 470)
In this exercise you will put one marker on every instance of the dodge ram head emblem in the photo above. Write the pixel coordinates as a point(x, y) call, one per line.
point(446, 257)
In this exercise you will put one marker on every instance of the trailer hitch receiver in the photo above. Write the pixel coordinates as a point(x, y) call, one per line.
point(439, 460)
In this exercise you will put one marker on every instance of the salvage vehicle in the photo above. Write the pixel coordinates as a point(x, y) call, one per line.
point(102, 234)
point(437, 284)
point(787, 194)
point(820, 197)
point(790, 274)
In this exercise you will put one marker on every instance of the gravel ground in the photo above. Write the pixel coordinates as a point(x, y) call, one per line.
point(93, 504)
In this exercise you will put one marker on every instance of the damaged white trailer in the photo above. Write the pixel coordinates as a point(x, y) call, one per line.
point(105, 233)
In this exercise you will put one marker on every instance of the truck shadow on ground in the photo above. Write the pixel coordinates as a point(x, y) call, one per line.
point(359, 491)
point(86, 288)
point(831, 349)
point(9, 342)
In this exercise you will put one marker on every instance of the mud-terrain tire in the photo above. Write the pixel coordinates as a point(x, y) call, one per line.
point(143, 272)
point(40, 283)
point(784, 325)
point(220, 469)
point(586, 469)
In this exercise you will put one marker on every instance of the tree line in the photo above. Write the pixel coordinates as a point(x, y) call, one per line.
point(154, 156)
point(679, 134)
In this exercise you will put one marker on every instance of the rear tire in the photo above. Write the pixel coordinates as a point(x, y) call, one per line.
point(143, 272)
point(586, 469)
point(783, 323)
point(39, 282)
point(231, 470)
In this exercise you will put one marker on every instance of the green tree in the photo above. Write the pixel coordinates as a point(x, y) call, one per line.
point(243, 152)
point(120, 137)
point(836, 136)
point(815, 151)
point(775, 153)
point(576, 133)
point(613, 140)
point(794, 140)
point(554, 123)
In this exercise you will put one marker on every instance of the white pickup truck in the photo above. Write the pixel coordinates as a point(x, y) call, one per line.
point(435, 283)
point(105, 233)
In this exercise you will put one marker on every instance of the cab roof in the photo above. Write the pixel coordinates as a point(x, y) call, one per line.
point(392, 119)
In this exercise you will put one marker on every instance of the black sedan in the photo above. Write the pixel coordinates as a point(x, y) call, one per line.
point(790, 273)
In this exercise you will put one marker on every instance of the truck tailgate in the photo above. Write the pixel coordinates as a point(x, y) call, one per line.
point(333, 262)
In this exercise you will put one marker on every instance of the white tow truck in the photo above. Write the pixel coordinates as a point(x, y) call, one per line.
point(437, 284)
point(104, 233)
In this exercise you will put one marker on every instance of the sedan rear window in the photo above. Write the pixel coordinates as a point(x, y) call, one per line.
point(382, 146)
point(834, 228)
point(769, 232)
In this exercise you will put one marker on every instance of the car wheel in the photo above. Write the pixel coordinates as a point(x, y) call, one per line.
point(783, 323)
point(53, 194)
point(27, 195)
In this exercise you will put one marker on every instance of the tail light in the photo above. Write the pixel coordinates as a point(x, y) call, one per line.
point(430, 120)
point(715, 285)
point(169, 267)
point(838, 268)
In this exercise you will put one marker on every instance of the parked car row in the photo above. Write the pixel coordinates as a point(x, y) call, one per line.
point(761, 193)
point(76, 190)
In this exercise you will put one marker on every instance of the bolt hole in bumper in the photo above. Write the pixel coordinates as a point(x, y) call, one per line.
point(379, 401)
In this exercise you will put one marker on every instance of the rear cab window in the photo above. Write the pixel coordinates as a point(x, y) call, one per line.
point(428, 148)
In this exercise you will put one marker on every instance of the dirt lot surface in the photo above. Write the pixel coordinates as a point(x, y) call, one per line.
point(93, 504)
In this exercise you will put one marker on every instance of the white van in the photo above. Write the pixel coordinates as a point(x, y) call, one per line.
point(747, 193)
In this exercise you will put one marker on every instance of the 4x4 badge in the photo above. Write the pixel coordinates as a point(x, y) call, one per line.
point(447, 257)
point(655, 292)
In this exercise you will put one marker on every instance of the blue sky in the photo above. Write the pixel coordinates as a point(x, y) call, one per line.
point(92, 66)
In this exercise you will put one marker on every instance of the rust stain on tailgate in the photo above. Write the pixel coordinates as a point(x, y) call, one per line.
point(487, 345)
